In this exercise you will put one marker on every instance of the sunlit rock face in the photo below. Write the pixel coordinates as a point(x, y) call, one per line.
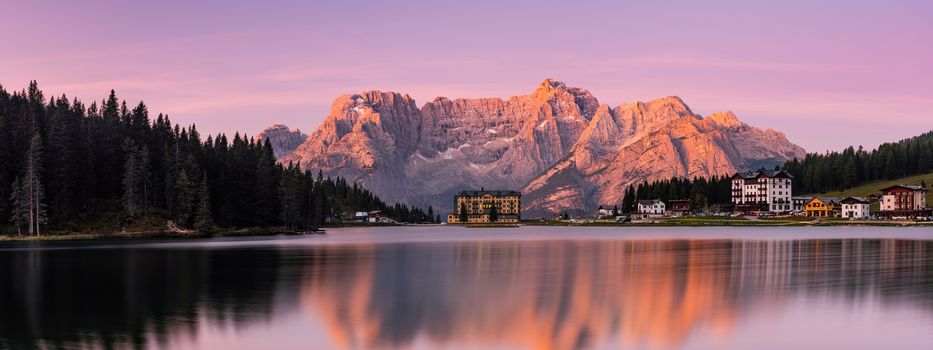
point(558, 144)
point(283, 140)
point(382, 141)
point(657, 140)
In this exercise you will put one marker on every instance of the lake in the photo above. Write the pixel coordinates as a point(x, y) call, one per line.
point(443, 287)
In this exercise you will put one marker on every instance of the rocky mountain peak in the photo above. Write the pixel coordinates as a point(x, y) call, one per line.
point(726, 119)
point(284, 140)
point(550, 84)
point(558, 144)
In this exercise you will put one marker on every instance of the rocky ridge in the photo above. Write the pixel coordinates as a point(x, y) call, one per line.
point(558, 144)
point(284, 141)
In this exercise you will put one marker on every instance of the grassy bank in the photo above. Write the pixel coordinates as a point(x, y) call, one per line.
point(876, 186)
point(701, 221)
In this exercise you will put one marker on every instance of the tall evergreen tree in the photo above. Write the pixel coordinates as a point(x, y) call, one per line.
point(464, 217)
point(20, 214)
point(131, 179)
point(849, 174)
point(185, 200)
point(204, 219)
point(33, 189)
point(493, 212)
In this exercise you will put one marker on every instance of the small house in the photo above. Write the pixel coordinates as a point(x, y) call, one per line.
point(855, 208)
point(822, 207)
point(605, 210)
point(680, 207)
point(361, 216)
point(377, 216)
point(651, 207)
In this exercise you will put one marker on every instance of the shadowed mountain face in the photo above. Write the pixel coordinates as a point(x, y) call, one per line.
point(283, 140)
point(558, 144)
point(557, 294)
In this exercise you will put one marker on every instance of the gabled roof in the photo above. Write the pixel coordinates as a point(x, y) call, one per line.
point(649, 201)
point(854, 200)
point(492, 192)
point(763, 174)
point(825, 200)
point(906, 187)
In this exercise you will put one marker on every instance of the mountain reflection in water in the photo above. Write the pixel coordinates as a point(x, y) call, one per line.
point(553, 294)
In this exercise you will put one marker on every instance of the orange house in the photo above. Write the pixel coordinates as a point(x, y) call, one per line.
point(822, 207)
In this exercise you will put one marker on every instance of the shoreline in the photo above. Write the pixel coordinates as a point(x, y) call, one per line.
point(660, 222)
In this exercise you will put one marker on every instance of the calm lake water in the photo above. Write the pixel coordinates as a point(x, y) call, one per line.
point(458, 288)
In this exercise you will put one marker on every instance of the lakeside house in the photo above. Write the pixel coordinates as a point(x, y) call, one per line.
point(606, 210)
point(904, 201)
point(651, 207)
point(486, 206)
point(798, 202)
point(378, 217)
point(855, 208)
point(824, 207)
point(680, 207)
point(762, 191)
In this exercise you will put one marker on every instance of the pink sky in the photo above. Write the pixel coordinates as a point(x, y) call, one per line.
point(828, 74)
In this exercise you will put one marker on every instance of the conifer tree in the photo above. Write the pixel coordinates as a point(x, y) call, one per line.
point(33, 189)
point(185, 199)
point(464, 217)
point(131, 174)
point(204, 219)
point(493, 212)
point(20, 211)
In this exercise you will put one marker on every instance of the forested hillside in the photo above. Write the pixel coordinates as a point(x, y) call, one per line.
point(837, 171)
point(62, 160)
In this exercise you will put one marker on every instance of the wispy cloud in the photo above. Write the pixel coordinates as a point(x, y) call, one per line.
point(694, 62)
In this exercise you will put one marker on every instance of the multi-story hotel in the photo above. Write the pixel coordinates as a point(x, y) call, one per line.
point(904, 200)
point(485, 206)
point(762, 191)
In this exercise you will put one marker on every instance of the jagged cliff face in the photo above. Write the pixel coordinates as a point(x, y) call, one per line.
point(283, 140)
point(563, 148)
point(423, 156)
point(651, 141)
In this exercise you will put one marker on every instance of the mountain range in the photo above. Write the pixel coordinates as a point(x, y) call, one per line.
point(559, 145)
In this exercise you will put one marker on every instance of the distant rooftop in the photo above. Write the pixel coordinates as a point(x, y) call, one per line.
point(767, 173)
point(484, 191)
point(909, 187)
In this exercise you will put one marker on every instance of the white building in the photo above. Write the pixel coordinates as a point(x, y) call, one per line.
point(762, 191)
point(855, 208)
point(651, 206)
point(605, 210)
point(797, 203)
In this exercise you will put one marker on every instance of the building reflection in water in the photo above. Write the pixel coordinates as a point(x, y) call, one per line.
point(563, 295)
point(528, 294)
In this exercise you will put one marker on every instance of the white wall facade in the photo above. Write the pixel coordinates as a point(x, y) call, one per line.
point(855, 211)
point(653, 208)
point(773, 191)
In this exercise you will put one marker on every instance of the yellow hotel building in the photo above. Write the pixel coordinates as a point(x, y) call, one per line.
point(486, 206)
